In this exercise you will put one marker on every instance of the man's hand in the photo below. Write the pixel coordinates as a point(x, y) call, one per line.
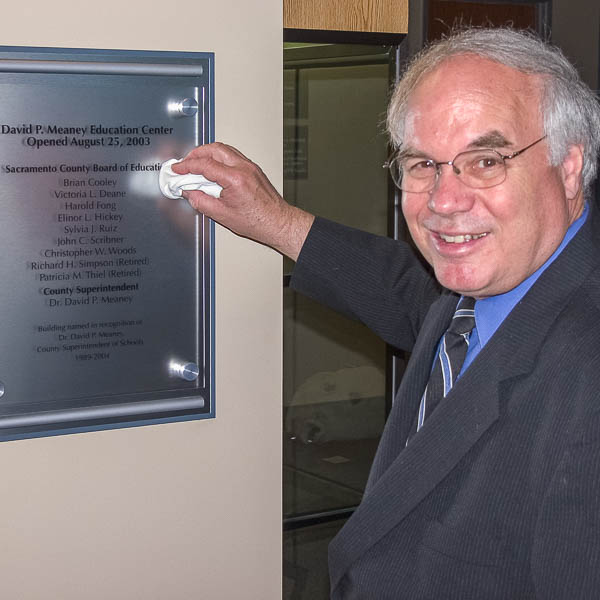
point(249, 205)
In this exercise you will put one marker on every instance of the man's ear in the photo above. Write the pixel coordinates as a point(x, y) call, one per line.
point(570, 171)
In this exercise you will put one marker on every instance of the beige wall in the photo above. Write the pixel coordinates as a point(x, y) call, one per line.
point(185, 510)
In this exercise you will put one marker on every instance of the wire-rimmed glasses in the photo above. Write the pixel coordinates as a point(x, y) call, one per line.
point(480, 168)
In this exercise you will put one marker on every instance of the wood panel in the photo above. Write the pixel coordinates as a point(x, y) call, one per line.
point(381, 16)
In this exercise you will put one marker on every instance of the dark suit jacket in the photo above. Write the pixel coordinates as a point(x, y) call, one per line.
point(498, 495)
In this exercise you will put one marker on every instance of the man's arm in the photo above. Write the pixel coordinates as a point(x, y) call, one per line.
point(370, 278)
point(249, 205)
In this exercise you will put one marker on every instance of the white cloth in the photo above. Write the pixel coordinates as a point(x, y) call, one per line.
point(171, 184)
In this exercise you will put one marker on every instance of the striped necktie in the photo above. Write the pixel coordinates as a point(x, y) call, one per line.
point(449, 360)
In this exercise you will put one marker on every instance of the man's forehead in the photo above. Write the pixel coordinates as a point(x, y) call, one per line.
point(488, 102)
point(465, 75)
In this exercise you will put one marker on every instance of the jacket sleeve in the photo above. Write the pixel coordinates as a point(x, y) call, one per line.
point(373, 279)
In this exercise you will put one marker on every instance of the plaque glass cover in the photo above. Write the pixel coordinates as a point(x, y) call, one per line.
point(107, 285)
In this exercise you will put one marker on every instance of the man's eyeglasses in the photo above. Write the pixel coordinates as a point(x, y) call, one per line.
point(483, 168)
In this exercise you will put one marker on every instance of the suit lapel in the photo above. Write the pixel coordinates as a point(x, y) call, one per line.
point(402, 477)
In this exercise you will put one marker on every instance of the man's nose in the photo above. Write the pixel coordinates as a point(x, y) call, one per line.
point(449, 194)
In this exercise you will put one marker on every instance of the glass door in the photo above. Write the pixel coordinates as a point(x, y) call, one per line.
point(336, 376)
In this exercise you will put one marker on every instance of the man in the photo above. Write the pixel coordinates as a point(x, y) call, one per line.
point(495, 493)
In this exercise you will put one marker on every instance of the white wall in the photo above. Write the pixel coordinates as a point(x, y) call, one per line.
point(185, 510)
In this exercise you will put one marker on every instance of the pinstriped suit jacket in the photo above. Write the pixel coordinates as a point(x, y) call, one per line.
point(498, 496)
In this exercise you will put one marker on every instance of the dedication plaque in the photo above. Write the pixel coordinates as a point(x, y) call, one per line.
point(107, 286)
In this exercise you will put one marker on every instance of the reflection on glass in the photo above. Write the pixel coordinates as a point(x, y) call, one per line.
point(334, 369)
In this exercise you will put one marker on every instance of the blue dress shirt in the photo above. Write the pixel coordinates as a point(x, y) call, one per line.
point(491, 312)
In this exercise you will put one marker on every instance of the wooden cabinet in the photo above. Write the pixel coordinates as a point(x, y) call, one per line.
point(374, 16)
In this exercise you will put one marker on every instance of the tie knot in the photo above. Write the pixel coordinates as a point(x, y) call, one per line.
point(463, 320)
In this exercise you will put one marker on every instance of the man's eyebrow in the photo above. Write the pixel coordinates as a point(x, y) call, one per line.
point(492, 139)
point(409, 152)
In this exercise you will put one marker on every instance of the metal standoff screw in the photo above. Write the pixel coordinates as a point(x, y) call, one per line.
point(188, 371)
point(187, 107)
point(1, 389)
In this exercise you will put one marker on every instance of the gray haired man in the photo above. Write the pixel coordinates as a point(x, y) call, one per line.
point(495, 492)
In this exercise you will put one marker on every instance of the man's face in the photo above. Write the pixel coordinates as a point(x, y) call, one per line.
point(469, 103)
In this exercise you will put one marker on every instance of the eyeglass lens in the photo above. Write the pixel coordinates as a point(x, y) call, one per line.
point(475, 168)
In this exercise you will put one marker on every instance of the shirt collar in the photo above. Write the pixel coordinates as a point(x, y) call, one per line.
point(490, 312)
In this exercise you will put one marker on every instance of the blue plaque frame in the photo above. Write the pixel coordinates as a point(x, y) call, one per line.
point(89, 393)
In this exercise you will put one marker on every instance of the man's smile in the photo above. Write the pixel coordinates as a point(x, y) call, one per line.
point(461, 238)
